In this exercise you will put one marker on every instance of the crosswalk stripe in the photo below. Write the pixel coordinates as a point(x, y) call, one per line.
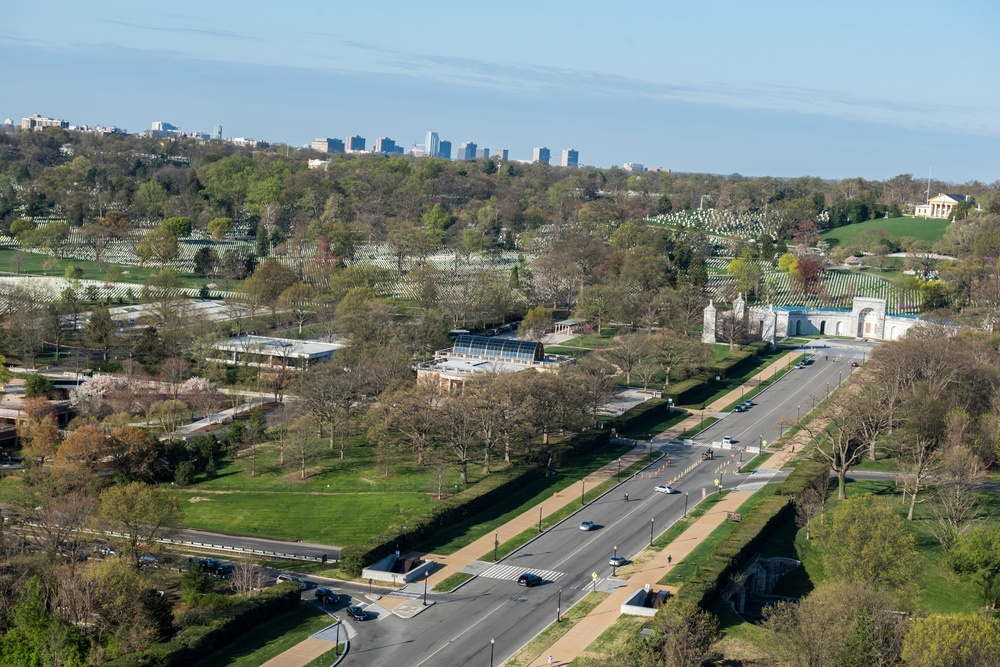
point(512, 572)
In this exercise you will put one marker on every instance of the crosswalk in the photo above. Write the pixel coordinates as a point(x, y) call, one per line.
point(512, 572)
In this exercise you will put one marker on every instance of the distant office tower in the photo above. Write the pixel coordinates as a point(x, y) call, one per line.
point(444, 150)
point(355, 143)
point(385, 145)
point(634, 166)
point(216, 131)
point(500, 154)
point(160, 126)
point(324, 145)
point(482, 152)
point(570, 158)
point(466, 151)
point(37, 122)
point(432, 145)
point(541, 155)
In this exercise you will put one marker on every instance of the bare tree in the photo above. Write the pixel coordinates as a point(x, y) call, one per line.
point(839, 443)
point(810, 503)
point(628, 350)
point(956, 502)
point(248, 577)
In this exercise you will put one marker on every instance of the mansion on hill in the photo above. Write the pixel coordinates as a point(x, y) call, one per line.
point(940, 207)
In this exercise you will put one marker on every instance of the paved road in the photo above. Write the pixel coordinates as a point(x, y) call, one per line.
point(259, 543)
point(459, 628)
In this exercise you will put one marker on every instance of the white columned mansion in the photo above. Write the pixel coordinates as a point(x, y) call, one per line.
point(940, 206)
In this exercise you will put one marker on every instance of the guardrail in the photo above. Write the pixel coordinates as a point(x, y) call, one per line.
point(321, 558)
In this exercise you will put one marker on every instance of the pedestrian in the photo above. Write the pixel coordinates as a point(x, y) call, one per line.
point(550, 659)
point(669, 559)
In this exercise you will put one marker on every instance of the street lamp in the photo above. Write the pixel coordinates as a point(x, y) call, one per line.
point(686, 494)
point(841, 377)
point(797, 409)
point(651, 532)
point(614, 562)
point(492, 642)
point(496, 544)
point(619, 469)
point(427, 575)
point(559, 607)
point(583, 491)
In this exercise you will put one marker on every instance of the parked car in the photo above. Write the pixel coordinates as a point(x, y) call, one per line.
point(215, 568)
point(854, 364)
point(291, 577)
point(799, 366)
point(329, 596)
point(528, 579)
point(617, 561)
point(358, 614)
point(663, 488)
point(587, 525)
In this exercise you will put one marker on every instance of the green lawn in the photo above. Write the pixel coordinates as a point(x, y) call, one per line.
point(270, 639)
point(894, 229)
point(33, 263)
point(336, 519)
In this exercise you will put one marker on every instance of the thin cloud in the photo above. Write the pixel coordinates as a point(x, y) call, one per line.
point(225, 34)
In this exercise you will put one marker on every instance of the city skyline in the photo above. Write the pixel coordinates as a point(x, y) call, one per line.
point(785, 90)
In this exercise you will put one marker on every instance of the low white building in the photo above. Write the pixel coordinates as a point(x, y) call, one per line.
point(268, 351)
point(866, 319)
point(940, 207)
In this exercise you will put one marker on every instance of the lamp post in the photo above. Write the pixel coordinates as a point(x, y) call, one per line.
point(797, 409)
point(841, 379)
point(686, 494)
point(337, 647)
point(583, 491)
point(559, 607)
point(496, 544)
point(427, 575)
point(614, 562)
point(492, 643)
point(539, 518)
point(619, 469)
point(651, 531)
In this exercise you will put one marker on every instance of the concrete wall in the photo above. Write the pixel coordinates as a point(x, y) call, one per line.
point(382, 571)
point(633, 606)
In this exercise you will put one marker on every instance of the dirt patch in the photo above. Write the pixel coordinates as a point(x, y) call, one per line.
point(368, 481)
point(198, 499)
point(297, 475)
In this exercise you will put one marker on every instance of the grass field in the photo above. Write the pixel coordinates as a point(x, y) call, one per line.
point(893, 229)
point(268, 640)
point(34, 264)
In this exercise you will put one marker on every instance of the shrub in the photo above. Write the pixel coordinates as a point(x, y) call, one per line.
point(38, 385)
point(640, 415)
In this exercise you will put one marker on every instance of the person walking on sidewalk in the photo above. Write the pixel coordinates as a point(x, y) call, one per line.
point(550, 659)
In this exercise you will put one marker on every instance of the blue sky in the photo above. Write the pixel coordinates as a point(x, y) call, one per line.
point(781, 88)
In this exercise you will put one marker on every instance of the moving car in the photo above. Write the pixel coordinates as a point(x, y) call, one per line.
point(291, 577)
point(617, 561)
point(586, 525)
point(358, 614)
point(740, 408)
point(528, 579)
point(727, 439)
point(663, 488)
point(854, 364)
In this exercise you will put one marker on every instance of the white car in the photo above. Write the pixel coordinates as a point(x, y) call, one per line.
point(291, 577)
point(663, 488)
point(727, 440)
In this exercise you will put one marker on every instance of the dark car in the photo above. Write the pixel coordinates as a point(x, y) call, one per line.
point(529, 580)
point(358, 614)
point(329, 596)
point(214, 568)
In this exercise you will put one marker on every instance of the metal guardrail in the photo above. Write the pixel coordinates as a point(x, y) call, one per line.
point(322, 558)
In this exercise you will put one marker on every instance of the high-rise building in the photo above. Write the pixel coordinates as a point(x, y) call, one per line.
point(570, 157)
point(482, 152)
point(634, 166)
point(466, 151)
point(355, 143)
point(217, 132)
point(500, 154)
point(444, 150)
point(37, 122)
point(432, 145)
point(541, 155)
point(385, 145)
point(325, 145)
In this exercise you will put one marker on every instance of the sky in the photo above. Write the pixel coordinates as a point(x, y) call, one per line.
point(781, 88)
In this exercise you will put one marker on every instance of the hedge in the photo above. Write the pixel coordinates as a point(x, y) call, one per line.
point(742, 361)
point(640, 415)
point(193, 643)
point(748, 537)
point(472, 501)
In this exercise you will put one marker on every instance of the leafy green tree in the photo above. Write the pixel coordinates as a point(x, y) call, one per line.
point(219, 227)
point(158, 245)
point(179, 227)
point(866, 542)
point(436, 220)
point(101, 333)
point(957, 640)
point(140, 514)
point(536, 323)
point(205, 261)
point(787, 262)
point(38, 385)
point(977, 555)
point(35, 637)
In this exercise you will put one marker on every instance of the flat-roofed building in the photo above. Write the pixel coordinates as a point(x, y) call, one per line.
point(265, 351)
point(487, 354)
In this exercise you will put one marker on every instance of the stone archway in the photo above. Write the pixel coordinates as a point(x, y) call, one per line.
point(839, 329)
point(868, 323)
point(798, 327)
